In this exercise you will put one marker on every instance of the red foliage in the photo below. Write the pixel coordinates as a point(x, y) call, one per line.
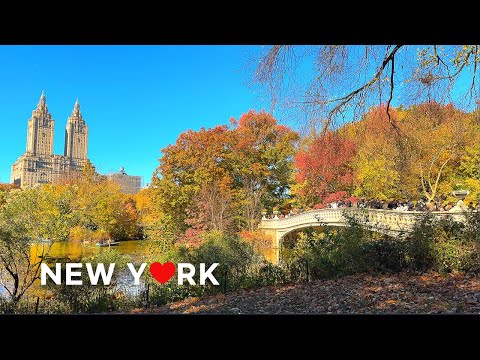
point(324, 169)
point(192, 237)
point(353, 199)
point(339, 195)
point(377, 124)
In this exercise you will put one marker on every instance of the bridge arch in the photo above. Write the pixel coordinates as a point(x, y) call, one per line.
point(390, 222)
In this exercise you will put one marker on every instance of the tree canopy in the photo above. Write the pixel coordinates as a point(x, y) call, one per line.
point(221, 178)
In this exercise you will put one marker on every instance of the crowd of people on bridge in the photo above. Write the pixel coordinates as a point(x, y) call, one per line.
point(396, 205)
point(403, 205)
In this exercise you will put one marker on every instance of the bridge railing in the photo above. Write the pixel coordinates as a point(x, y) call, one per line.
point(387, 219)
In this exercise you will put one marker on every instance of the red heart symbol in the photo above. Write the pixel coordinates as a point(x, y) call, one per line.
point(162, 272)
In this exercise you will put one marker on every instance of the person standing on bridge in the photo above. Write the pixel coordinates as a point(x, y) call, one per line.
point(361, 203)
point(392, 204)
point(410, 205)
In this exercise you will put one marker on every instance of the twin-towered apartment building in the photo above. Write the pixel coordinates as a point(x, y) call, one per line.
point(39, 165)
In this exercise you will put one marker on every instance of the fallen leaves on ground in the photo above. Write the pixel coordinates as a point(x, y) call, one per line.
point(429, 293)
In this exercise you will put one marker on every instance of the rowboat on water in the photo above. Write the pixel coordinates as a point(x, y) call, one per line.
point(108, 243)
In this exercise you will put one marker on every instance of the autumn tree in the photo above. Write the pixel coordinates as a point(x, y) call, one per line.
point(380, 156)
point(221, 178)
point(148, 214)
point(469, 171)
point(4, 190)
point(261, 163)
point(324, 170)
point(433, 151)
point(103, 209)
point(439, 136)
point(100, 209)
point(189, 186)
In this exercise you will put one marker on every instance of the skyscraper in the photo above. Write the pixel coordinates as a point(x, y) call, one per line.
point(38, 164)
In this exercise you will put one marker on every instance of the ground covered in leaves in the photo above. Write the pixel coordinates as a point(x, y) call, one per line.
point(429, 293)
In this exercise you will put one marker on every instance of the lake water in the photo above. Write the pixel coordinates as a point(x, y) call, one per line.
point(138, 250)
point(63, 252)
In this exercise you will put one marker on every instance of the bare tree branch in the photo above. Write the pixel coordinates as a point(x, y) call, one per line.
point(346, 99)
point(345, 79)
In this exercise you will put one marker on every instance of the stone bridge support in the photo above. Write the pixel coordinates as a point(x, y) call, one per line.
point(390, 222)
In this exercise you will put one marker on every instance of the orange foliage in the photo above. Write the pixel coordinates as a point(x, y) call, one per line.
point(259, 240)
point(8, 187)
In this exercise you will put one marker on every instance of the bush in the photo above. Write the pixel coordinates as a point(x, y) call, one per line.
point(92, 299)
point(385, 255)
point(238, 267)
point(452, 255)
point(420, 255)
point(336, 251)
point(237, 259)
point(442, 246)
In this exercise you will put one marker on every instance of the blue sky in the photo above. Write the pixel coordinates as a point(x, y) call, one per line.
point(135, 99)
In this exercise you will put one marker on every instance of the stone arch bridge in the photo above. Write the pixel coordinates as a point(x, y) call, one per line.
point(390, 222)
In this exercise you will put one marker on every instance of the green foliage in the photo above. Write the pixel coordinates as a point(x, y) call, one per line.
point(28, 215)
point(385, 255)
point(443, 246)
point(420, 255)
point(235, 257)
point(333, 252)
point(36, 213)
point(162, 238)
point(237, 262)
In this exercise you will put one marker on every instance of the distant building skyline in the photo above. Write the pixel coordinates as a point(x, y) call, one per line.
point(38, 164)
point(130, 184)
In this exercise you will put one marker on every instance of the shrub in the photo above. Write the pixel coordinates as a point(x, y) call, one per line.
point(236, 258)
point(385, 255)
point(420, 255)
point(442, 246)
point(87, 298)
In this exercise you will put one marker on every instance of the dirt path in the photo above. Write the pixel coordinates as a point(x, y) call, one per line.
point(359, 294)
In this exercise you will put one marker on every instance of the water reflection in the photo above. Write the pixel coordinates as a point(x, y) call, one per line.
point(73, 251)
point(64, 252)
